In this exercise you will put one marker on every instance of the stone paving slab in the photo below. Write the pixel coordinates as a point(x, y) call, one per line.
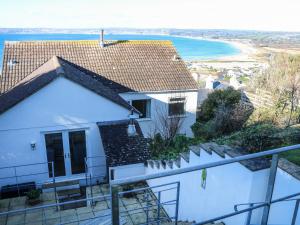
point(50, 216)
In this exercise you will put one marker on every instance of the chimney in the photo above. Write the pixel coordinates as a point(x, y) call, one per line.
point(131, 127)
point(102, 39)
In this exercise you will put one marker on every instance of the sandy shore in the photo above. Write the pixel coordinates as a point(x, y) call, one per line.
point(247, 51)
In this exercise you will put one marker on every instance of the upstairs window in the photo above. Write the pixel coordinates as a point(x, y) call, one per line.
point(177, 106)
point(144, 106)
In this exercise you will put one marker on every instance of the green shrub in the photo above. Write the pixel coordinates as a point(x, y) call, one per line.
point(261, 136)
point(169, 149)
point(33, 194)
point(228, 98)
point(225, 121)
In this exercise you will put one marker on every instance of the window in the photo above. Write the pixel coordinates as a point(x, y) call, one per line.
point(177, 106)
point(144, 106)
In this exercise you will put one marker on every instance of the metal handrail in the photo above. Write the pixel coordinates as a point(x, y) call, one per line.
point(266, 205)
point(52, 205)
point(256, 203)
point(284, 199)
point(23, 165)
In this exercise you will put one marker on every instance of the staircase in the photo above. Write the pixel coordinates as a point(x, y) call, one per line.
point(186, 158)
point(62, 185)
point(68, 190)
point(197, 155)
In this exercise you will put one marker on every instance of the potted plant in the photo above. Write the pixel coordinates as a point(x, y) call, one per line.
point(33, 197)
point(129, 187)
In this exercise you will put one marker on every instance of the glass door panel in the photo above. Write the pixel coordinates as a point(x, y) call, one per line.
point(55, 153)
point(77, 144)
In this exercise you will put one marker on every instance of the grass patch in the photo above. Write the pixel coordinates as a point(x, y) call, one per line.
point(292, 156)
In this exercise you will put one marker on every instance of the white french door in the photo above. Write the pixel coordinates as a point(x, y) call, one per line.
point(67, 150)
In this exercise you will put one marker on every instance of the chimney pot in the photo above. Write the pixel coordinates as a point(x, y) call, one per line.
point(102, 39)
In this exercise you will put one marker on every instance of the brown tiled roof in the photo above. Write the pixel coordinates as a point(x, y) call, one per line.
point(121, 149)
point(136, 65)
point(49, 71)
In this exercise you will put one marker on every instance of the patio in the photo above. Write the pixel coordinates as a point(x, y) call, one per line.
point(133, 209)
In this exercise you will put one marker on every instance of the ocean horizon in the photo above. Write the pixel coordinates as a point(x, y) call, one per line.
point(188, 48)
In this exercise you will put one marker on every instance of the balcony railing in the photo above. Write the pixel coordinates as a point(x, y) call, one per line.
point(116, 212)
point(115, 184)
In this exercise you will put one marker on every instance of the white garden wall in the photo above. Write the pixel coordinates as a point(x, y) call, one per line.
point(130, 170)
point(226, 186)
point(61, 105)
point(159, 105)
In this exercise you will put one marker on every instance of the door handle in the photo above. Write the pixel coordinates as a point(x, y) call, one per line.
point(68, 155)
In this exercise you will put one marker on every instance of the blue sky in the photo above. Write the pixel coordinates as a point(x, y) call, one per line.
point(282, 15)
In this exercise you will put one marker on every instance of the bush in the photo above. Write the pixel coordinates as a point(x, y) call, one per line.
point(169, 149)
point(228, 98)
point(225, 121)
point(33, 194)
point(261, 136)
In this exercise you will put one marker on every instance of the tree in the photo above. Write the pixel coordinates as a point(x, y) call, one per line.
point(167, 126)
point(282, 78)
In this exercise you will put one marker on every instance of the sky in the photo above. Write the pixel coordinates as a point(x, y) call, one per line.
point(273, 15)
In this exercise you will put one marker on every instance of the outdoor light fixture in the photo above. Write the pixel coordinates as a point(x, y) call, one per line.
point(33, 145)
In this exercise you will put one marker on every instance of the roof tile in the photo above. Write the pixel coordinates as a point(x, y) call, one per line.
point(136, 65)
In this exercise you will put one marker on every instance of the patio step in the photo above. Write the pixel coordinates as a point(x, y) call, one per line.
point(62, 185)
point(70, 193)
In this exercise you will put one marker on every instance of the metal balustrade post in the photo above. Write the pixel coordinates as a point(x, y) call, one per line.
point(295, 212)
point(147, 208)
point(86, 171)
point(17, 181)
point(270, 189)
point(91, 189)
point(54, 183)
point(115, 218)
point(177, 203)
point(158, 207)
point(248, 221)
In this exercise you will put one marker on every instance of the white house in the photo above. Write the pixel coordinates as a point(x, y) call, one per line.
point(70, 101)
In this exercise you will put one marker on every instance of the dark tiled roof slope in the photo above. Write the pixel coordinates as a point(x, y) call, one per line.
point(121, 149)
point(52, 69)
point(137, 65)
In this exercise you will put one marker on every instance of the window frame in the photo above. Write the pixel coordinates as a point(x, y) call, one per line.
point(183, 100)
point(66, 146)
point(148, 107)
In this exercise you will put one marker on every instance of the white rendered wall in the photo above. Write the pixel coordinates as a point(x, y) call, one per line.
point(226, 186)
point(159, 106)
point(130, 170)
point(281, 213)
point(61, 105)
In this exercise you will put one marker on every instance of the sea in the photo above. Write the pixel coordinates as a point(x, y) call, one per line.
point(188, 48)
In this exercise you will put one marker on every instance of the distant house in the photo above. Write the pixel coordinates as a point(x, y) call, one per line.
point(87, 103)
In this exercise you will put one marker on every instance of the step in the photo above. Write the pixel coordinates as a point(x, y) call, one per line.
point(185, 156)
point(70, 193)
point(59, 184)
